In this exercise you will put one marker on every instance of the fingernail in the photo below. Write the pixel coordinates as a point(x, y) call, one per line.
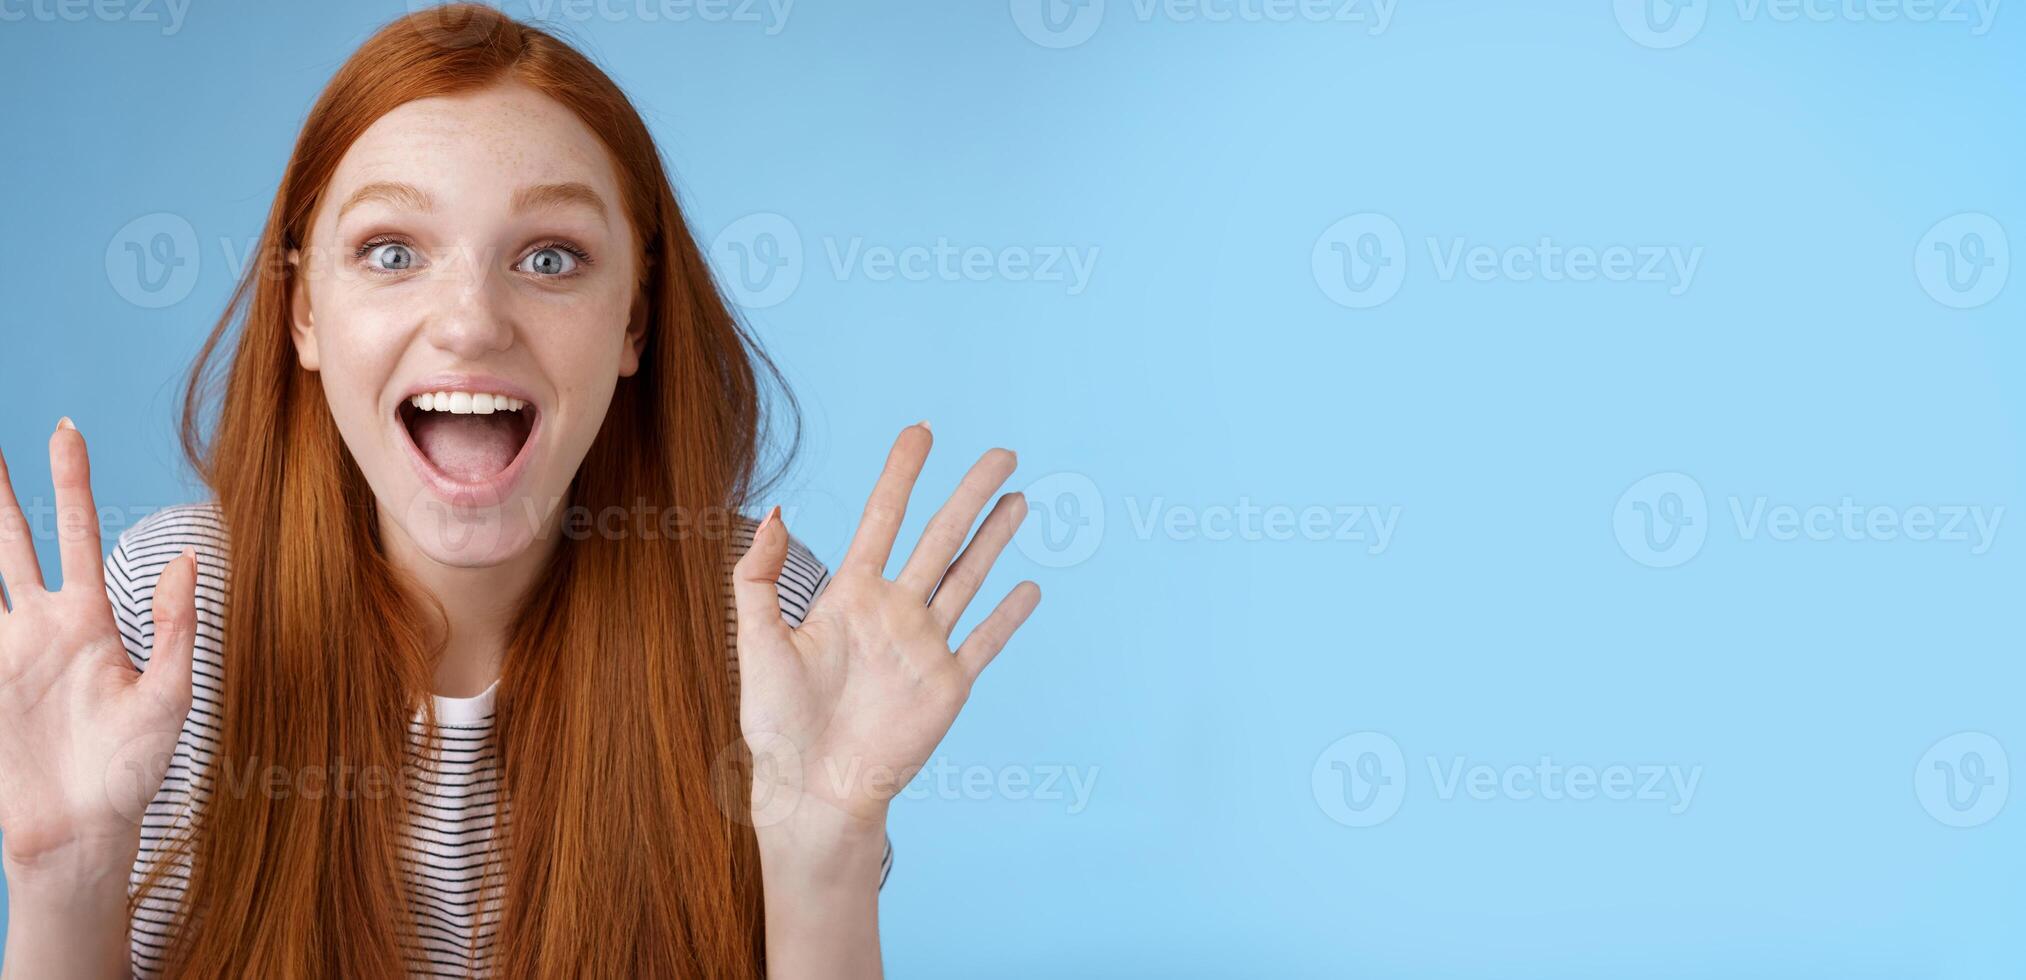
point(774, 516)
point(925, 425)
point(65, 423)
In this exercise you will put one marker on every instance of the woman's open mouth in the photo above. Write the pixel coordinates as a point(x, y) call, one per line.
point(468, 442)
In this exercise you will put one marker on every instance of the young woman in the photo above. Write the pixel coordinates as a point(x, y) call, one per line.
point(485, 432)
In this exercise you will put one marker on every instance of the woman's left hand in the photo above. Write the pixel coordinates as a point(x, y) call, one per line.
point(843, 710)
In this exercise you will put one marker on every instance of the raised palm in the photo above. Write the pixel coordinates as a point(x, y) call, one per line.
point(844, 709)
point(85, 738)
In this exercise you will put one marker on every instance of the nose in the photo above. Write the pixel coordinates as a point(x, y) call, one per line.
point(470, 318)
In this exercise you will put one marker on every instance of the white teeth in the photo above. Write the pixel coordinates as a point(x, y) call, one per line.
point(465, 402)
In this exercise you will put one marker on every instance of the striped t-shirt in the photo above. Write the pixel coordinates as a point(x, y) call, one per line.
point(445, 852)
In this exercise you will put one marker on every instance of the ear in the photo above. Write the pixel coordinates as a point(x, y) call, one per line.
point(636, 336)
point(302, 324)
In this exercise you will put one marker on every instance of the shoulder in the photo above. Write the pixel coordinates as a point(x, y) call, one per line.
point(803, 575)
point(143, 550)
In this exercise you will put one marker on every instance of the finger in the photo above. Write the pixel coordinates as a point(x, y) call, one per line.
point(754, 578)
point(76, 517)
point(167, 678)
point(961, 585)
point(947, 530)
point(990, 637)
point(18, 567)
point(872, 545)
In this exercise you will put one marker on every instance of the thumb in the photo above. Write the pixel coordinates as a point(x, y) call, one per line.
point(754, 577)
point(167, 678)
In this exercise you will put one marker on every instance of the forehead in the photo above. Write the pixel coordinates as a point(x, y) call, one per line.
point(477, 147)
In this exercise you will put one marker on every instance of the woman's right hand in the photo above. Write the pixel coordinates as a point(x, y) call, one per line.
point(85, 739)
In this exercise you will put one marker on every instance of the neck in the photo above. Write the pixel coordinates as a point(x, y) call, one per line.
point(479, 605)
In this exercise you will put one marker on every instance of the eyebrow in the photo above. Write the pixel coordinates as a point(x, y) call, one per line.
point(533, 197)
point(559, 195)
point(390, 192)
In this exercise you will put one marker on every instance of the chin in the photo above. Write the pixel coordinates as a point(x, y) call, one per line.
point(463, 536)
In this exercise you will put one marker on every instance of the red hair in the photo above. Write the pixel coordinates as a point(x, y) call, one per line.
point(622, 856)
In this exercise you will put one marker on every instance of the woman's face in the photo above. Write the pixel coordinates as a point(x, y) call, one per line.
point(467, 297)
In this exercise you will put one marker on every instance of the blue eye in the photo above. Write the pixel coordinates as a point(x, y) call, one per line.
point(391, 257)
point(550, 261)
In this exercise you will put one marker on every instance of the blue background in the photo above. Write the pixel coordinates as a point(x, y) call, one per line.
point(1202, 679)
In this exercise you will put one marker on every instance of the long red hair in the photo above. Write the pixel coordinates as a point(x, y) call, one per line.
point(622, 856)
